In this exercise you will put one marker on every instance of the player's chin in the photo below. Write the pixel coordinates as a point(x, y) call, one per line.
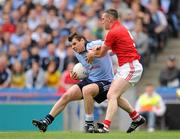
point(107, 27)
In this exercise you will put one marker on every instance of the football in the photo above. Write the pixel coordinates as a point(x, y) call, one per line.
point(80, 71)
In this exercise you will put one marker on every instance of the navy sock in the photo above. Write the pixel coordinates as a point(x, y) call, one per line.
point(89, 122)
point(48, 119)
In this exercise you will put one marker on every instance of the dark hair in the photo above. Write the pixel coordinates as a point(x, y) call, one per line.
point(113, 13)
point(76, 36)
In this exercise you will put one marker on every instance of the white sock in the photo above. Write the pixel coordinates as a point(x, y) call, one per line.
point(89, 117)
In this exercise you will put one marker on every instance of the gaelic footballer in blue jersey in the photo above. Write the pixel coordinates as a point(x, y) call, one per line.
point(93, 88)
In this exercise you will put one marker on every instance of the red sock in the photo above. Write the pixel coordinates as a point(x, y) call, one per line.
point(134, 115)
point(107, 124)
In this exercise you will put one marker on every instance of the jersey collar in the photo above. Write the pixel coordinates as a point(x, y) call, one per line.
point(116, 22)
point(85, 45)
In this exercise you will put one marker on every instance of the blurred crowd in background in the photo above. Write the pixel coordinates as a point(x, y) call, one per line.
point(34, 51)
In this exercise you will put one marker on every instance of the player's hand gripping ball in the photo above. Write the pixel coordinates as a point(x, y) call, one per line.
point(80, 71)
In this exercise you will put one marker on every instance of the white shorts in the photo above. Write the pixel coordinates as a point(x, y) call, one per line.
point(131, 72)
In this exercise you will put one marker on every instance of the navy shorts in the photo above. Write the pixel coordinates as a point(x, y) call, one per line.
point(103, 88)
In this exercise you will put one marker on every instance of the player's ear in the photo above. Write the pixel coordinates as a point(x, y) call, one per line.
point(82, 41)
point(110, 19)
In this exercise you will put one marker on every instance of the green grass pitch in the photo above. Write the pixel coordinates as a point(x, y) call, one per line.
point(81, 135)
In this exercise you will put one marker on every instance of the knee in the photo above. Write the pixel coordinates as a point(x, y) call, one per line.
point(86, 91)
point(120, 100)
point(111, 96)
point(66, 97)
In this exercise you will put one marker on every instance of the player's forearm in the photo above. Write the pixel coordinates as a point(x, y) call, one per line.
point(100, 52)
point(96, 53)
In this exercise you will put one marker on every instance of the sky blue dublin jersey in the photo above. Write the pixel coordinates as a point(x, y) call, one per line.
point(101, 69)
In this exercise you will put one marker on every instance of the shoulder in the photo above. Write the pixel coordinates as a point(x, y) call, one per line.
point(92, 44)
point(142, 96)
point(117, 30)
point(110, 34)
point(165, 70)
point(160, 13)
point(157, 95)
point(58, 73)
point(41, 71)
point(8, 71)
point(28, 73)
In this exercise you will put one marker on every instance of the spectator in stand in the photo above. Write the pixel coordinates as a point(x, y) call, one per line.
point(43, 23)
point(128, 20)
point(35, 54)
point(39, 35)
point(119, 5)
point(52, 19)
point(18, 76)
point(3, 48)
point(7, 26)
point(35, 76)
point(98, 31)
point(69, 57)
point(30, 4)
point(149, 27)
point(160, 21)
point(24, 59)
point(33, 21)
point(26, 43)
point(61, 53)
point(6, 41)
point(92, 19)
point(170, 76)
point(5, 73)
point(151, 105)
point(51, 55)
point(23, 12)
point(12, 54)
point(17, 37)
point(141, 40)
point(52, 75)
point(169, 7)
point(88, 34)
point(69, 19)
point(136, 10)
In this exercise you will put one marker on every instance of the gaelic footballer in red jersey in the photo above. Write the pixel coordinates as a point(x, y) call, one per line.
point(120, 41)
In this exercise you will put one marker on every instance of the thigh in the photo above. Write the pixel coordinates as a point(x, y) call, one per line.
point(98, 90)
point(118, 87)
point(74, 93)
point(103, 90)
point(92, 89)
point(84, 83)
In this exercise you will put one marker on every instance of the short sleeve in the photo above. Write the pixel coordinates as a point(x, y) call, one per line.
point(94, 44)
